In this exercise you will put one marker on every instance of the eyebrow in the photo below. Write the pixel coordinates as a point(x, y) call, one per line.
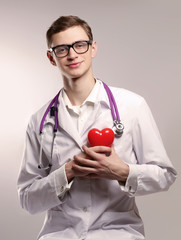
point(65, 44)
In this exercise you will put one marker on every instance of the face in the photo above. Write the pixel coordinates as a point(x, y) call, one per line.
point(74, 65)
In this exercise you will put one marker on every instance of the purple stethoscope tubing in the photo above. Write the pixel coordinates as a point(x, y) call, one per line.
point(55, 112)
point(113, 105)
point(55, 102)
point(117, 128)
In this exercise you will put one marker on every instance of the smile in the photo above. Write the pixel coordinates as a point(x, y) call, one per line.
point(74, 65)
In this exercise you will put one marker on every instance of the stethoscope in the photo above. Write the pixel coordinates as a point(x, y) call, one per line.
point(117, 128)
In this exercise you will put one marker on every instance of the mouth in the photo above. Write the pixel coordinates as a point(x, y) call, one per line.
point(74, 65)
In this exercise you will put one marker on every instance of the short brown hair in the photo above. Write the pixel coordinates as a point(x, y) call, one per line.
point(65, 22)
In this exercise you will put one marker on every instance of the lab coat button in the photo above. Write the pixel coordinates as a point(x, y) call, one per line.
point(85, 209)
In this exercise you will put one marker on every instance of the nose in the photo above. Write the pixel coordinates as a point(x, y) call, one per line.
point(72, 53)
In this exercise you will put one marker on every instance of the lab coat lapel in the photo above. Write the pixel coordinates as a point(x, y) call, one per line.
point(65, 122)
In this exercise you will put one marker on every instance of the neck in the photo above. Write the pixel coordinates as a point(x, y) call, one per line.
point(79, 89)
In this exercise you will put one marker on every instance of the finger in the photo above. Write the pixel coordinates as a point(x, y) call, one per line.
point(86, 162)
point(98, 149)
point(83, 169)
point(93, 154)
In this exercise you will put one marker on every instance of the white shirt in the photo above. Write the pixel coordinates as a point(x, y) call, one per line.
point(80, 114)
point(99, 208)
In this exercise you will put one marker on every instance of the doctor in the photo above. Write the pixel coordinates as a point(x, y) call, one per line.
point(89, 192)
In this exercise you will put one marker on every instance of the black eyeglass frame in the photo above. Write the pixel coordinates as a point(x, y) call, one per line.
point(89, 42)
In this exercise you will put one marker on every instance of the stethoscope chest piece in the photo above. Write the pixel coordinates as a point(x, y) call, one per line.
point(118, 128)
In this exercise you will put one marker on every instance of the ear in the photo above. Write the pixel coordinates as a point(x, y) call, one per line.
point(94, 49)
point(50, 57)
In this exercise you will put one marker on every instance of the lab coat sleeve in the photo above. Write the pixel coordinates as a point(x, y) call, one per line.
point(153, 171)
point(37, 189)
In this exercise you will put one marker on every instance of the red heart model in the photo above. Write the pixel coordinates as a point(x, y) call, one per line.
point(101, 138)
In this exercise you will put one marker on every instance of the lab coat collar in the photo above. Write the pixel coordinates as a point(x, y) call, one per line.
point(102, 95)
point(96, 95)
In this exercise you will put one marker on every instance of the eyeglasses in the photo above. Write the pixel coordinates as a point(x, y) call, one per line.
point(79, 47)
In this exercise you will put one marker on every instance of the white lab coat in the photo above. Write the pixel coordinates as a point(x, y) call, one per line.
point(94, 209)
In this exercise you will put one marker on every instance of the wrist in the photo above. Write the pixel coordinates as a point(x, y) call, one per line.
point(124, 174)
point(69, 172)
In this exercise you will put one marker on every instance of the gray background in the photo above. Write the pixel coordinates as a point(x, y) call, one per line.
point(139, 49)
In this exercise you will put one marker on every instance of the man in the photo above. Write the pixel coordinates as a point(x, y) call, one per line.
point(89, 192)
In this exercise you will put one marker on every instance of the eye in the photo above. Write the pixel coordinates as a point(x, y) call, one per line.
point(80, 45)
point(61, 49)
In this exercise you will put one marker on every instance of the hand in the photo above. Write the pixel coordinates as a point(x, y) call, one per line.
point(100, 162)
point(72, 172)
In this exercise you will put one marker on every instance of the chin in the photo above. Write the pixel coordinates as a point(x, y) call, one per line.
point(76, 73)
point(77, 76)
